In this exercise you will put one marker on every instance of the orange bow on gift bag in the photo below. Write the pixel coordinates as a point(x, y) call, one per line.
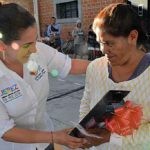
point(125, 120)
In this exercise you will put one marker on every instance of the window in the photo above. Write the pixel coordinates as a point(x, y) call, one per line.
point(67, 10)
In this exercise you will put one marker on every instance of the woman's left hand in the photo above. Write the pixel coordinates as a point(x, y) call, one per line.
point(104, 135)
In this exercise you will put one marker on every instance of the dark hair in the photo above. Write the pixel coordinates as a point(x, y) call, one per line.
point(90, 26)
point(13, 20)
point(53, 17)
point(120, 19)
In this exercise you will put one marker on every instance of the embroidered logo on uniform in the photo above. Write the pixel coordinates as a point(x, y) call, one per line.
point(10, 93)
point(40, 72)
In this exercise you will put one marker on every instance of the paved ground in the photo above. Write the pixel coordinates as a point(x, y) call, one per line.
point(64, 100)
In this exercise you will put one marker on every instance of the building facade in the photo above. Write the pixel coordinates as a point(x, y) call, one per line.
point(68, 12)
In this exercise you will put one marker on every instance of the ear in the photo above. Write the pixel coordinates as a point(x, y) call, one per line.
point(132, 38)
point(2, 46)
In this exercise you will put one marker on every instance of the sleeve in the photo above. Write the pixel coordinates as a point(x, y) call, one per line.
point(59, 29)
point(85, 101)
point(5, 122)
point(54, 59)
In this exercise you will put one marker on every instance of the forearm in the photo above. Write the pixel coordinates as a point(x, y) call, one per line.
point(19, 135)
point(58, 32)
point(48, 31)
point(79, 66)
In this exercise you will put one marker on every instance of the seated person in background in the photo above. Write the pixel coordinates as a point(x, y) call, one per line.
point(125, 66)
point(53, 32)
point(68, 45)
point(45, 39)
point(93, 45)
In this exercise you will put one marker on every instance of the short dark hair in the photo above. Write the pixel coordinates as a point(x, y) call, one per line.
point(13, 20)
point(119, 19)
point(53, 17)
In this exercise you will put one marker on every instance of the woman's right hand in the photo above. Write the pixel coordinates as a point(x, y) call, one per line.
point(62, 137)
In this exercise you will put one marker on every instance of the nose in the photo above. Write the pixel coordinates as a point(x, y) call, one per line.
point(104, 48)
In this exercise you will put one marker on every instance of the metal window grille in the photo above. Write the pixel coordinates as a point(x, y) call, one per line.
point(67, 10)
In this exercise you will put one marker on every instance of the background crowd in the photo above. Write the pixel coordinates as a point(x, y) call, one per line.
point(78, 43)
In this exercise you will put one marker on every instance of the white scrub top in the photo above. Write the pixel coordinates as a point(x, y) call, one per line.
point(23, 100)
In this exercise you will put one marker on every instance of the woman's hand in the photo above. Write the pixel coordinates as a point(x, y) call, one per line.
point(62, 137)
point(92, 141)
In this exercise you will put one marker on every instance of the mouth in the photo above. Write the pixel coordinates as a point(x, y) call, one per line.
point(26, 57)
point(110, 57)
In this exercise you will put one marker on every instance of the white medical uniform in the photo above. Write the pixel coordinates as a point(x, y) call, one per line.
point(23, 100)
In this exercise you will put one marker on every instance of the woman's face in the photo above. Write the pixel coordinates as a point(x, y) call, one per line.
point(118, 49)
point(21, 49)
point(79, 25)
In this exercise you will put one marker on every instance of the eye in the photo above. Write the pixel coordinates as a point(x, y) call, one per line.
point(26, 46)
point(110, 44)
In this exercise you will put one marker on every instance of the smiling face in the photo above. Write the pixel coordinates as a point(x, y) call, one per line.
point(21, 49)
point(119, 50)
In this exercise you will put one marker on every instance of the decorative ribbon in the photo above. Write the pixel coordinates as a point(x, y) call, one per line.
point(125, 120)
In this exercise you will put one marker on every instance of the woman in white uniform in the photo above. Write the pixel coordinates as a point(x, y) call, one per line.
point(125, 66)
point(24, 85)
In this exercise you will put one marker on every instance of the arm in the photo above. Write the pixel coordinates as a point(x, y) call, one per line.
point(59, 29)
point(20, 135)
point(79, 66)
point(85, 108)
point(61, 62)
point(49, 30)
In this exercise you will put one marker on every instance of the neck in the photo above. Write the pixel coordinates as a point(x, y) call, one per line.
point(123, 72)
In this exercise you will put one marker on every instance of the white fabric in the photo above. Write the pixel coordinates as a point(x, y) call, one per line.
point(98, 83)
point(93, 48)
point(23, 101)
